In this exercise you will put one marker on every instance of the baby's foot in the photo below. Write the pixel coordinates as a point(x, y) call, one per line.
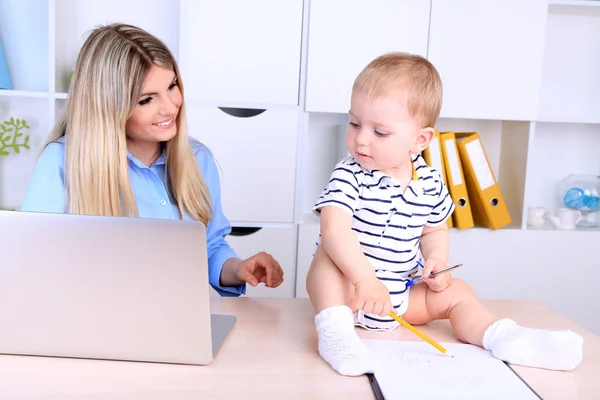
point(557, 350)
point(339, 344)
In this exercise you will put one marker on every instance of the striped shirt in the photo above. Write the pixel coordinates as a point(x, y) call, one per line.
point(388, 223)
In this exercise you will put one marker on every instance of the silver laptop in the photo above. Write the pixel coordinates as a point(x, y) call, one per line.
point(112, 288)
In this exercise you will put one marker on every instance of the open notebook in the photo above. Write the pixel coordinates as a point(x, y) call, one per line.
point(416, 370)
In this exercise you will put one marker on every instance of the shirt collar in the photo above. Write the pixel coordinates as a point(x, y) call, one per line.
point(417, 183)
point(161, 160)
point(415, 173)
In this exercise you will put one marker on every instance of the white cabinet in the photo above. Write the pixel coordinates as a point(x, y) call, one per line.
point(518, 264)
point(75, 19)
point(345, 35)
point(256, 155)
point(570, 80)
point(24, 37)
point(240, 51)
point(521, 257)
point(489, 55)
point(279, 242)
point(308, 234)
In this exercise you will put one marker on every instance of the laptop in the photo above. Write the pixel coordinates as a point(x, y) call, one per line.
point(114, 288)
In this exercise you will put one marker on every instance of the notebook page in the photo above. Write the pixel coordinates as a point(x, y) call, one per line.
point(416, 370)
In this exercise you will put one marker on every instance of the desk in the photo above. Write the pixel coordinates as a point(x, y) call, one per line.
point(271, 354)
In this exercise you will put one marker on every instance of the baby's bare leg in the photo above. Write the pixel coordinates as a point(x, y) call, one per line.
point(469, 318)
point(325, 283)
point(339, 344)
point(474, 324)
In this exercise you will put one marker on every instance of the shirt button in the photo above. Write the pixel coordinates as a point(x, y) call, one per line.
point(163, 202)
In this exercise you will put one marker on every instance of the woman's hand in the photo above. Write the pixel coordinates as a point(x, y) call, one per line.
point(261, 267)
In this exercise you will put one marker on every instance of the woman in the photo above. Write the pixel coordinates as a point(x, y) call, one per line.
point(121, 148)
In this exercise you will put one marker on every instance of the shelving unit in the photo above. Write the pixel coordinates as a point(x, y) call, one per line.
point(531, 91)
point(519, 115)
point(527, 82)
point(225, 61)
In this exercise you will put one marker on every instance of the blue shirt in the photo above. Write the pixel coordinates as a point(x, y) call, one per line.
point(46, 193)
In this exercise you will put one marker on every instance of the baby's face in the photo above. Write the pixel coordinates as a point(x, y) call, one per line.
point(381, 133)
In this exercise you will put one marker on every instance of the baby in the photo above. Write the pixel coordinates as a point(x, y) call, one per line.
point(383, 210)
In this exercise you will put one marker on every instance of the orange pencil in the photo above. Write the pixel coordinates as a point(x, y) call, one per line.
point(420, 334)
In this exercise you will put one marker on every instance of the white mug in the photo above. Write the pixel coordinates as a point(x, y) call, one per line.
point(536, 216)
point(566, 218)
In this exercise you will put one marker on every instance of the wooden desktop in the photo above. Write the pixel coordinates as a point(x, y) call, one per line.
point(272, 354)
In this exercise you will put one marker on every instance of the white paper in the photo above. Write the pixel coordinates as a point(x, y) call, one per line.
point(452, 157)
point(436, 158)
point(416, 370)
point(483, 173)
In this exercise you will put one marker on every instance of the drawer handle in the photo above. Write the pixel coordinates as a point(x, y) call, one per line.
point(242, 112)
point(243, 230)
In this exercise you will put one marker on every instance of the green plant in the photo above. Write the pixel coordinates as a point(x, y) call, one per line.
point(10, 133)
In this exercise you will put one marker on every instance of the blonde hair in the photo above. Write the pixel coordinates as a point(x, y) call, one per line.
point(413, 75)
point(105, 88)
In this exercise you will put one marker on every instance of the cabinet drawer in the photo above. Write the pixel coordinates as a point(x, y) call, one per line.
point(339, 48)
point(489, 55)
point(242, 51)
point(256, 155)
point(307, 238)
point(280, 242)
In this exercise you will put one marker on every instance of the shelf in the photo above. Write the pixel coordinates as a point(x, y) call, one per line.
point(595, 120)
point(506, 144)
point(311, 219)
point(557, 151)
point(575, 3)
point(24, 93)
point(548, 227)
point(528, 159)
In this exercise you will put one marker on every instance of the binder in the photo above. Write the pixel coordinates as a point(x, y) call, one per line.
point(5, 82)
point(488, 206)
point(462, 216)
point(435, 159)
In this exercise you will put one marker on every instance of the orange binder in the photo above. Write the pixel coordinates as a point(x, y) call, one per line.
point(489, 208)
point(462, 216)
point(434, 157)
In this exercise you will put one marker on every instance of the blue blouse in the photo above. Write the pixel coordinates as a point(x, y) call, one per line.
point(46, 193)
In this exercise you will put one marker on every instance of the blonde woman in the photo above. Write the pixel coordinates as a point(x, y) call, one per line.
point(121, 148)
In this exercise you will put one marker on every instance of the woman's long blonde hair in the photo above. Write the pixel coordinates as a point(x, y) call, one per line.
point(106, 85)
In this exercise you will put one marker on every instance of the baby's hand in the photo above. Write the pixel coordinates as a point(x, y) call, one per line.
point(440, 282)
point(373, 297)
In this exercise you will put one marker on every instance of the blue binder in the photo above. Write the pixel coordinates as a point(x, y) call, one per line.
point(5, 82)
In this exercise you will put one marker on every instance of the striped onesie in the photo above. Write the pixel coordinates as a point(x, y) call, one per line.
point(388, 223)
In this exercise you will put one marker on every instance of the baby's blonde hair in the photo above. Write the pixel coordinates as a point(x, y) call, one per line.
point(107, 82)
point(411, 75)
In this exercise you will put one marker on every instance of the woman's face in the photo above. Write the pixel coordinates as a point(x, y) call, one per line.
point(154, 118)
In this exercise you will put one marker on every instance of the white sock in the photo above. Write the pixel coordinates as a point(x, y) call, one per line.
point(340, 345)
point(557, 350)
